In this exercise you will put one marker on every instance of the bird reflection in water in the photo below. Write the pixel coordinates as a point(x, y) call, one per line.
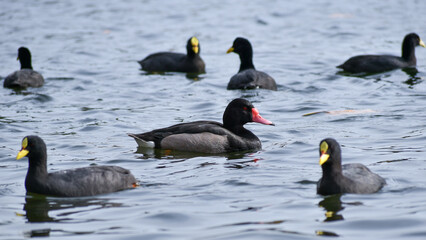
point(332, 204)
point(190, 76)
point(193, 76)
point(234, 159)
point(148, 153)
point(413, 78)
point(37, 208)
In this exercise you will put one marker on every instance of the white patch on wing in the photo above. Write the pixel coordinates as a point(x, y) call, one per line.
point(200, 142)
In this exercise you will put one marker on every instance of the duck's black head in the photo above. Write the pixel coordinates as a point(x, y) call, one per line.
point(239, 112)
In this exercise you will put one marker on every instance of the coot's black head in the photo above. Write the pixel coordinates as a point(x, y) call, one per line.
point(330, 153)
point(411, 41)
point(193, 46)
point(414, 39)
point(34, 148)
point(243, 48)
point(239, 112)
point(24, 57)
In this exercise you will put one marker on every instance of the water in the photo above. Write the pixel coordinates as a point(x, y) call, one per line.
point(95, 93)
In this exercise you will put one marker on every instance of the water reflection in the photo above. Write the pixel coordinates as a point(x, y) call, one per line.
point(194, 76)
point(38, 207)
point(326, 233)
point(143, 73)
point(190, 76)
point(237, 160)
point(45, 232)
point(359, 75)
point(20, 91)
point(42, 98)
point(332, 204)
point(411, 72)
point(413, 78)
point(148, 153)
point(233, 160)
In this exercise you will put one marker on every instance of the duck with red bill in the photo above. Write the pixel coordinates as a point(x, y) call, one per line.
point(209, 136)
point(259, 119)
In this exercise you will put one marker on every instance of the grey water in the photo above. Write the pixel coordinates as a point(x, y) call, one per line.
point(95, 93)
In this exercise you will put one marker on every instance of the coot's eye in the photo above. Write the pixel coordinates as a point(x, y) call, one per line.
point(245, 108)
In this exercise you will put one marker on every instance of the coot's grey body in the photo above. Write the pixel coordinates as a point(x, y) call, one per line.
point(87, 181)
point(375, 63)
point(357, 178)
point(23, 78)
point(172, 62)
point(251, 79)
point(76, 182)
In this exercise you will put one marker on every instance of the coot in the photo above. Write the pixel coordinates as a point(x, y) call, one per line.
point(383, 63)
point(26, 77)
point(248, 77)
point(349, 178)
point(87, 181)
point(190, 62)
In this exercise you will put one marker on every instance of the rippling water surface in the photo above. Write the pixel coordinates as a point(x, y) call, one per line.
point(95, 93)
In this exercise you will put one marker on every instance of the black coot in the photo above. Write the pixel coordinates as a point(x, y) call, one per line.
point(209, 136)
point(383, 63)
point(190, 62)
point(76, 182)
point(349, 178)
point(26, 77)
point(248, 77)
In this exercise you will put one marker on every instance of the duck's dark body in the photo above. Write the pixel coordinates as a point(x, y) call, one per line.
point(209, 136)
